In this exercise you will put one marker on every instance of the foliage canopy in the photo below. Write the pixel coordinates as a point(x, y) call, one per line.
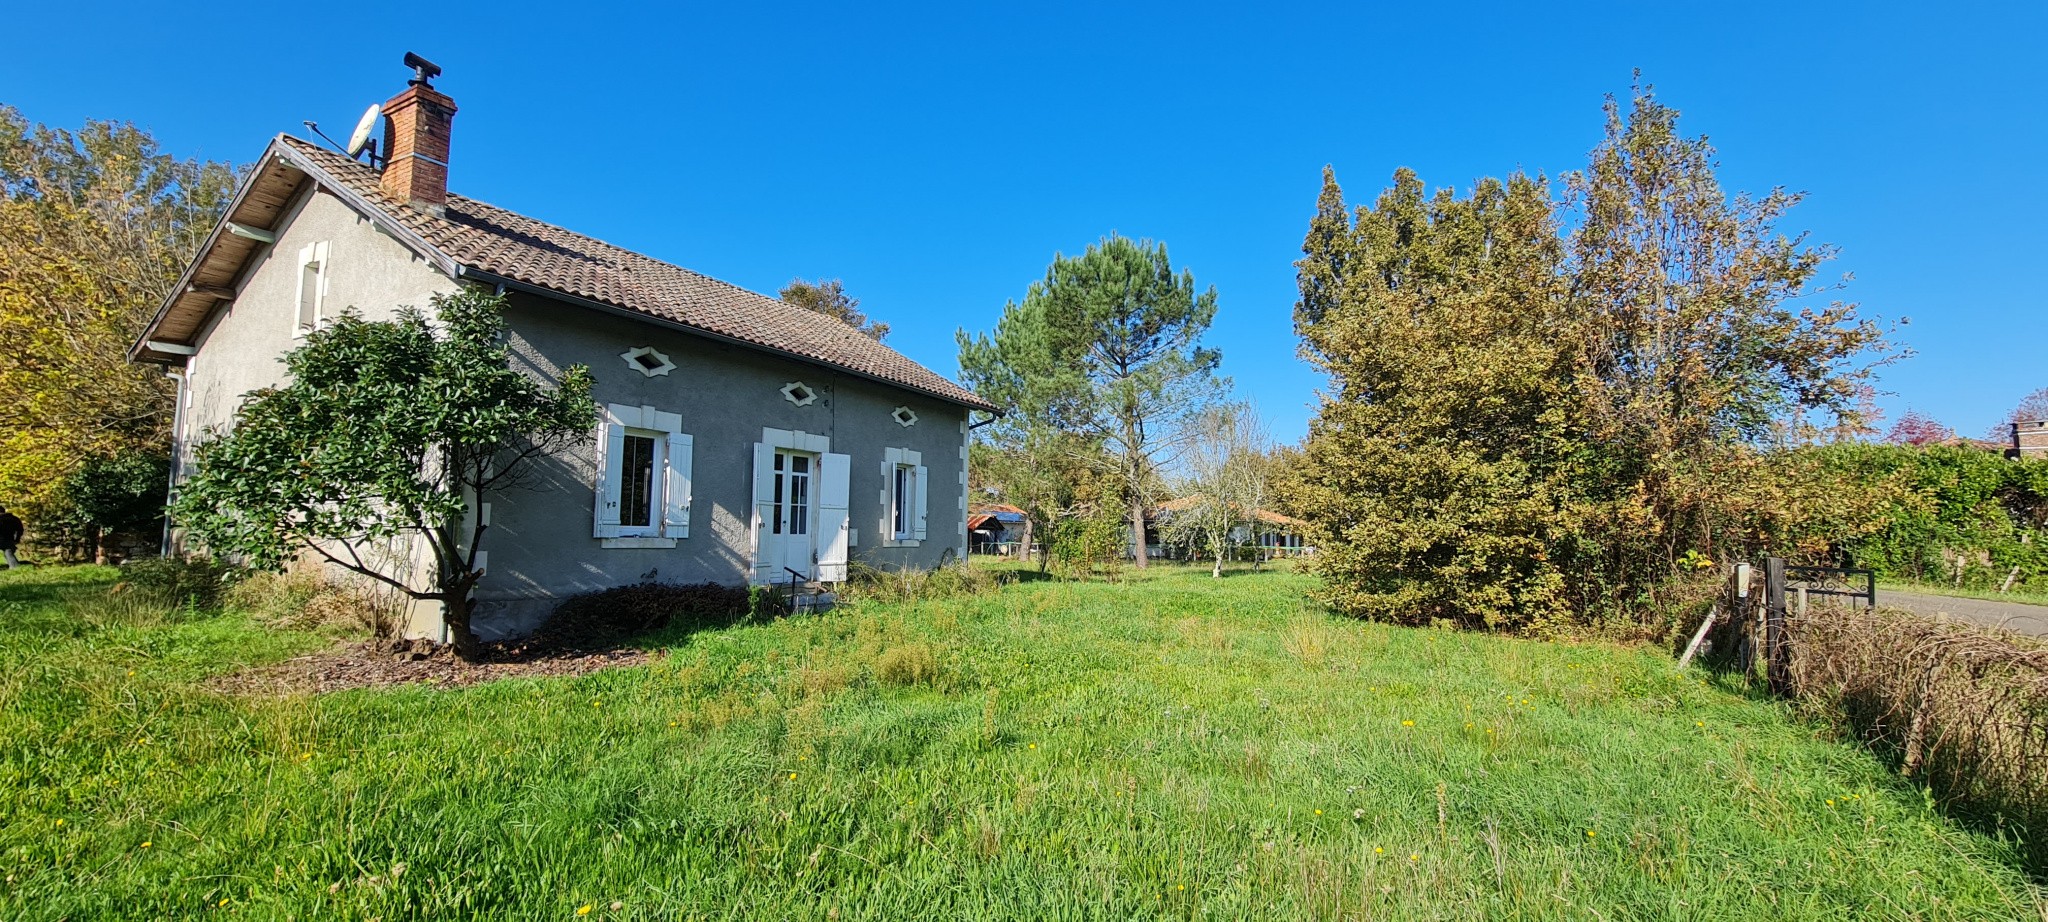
point(1540, 408)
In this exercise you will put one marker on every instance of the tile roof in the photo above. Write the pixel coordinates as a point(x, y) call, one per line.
point(489, 239)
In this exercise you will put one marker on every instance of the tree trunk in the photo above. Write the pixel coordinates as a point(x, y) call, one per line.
point(456, 612)
point(1218, 571)
point(1024, 550)
point(1138, 530)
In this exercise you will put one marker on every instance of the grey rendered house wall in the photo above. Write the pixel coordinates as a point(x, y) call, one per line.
point(540, 544)
point(239, 349)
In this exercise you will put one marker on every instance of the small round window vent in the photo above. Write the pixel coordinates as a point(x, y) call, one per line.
point(905, 417)
point(647, 361)
point(799, 393)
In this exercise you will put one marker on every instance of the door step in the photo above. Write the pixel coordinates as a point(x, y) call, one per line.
point(812, 601)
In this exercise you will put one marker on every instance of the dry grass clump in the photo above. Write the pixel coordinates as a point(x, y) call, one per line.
point(309, 596)
point(1961, 709)
point(911, 585)
point(907, 664)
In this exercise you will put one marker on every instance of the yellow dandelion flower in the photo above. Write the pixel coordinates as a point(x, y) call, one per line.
point(1034, 745)
point(1180, 886)
point(1589, 833)
point(1407, 723)
point(223, 901)
point(583, 910)
point(1831, 801)
point(1320, 813)
point(792, 776)
point(1378, 850)
point(1415, 857)
point(146, 844)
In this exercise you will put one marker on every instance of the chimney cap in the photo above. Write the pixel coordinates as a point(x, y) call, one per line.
point(423, 70)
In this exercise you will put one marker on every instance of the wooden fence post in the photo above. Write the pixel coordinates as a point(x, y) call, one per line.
point(1777, 652)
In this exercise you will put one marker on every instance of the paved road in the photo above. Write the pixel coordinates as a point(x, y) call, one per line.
point(2014, 616)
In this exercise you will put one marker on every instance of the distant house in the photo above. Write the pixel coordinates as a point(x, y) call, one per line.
point(997, 529)
point(1273, 534)
point(742, 439)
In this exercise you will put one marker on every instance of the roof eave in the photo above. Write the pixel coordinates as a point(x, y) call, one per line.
point(275, 154)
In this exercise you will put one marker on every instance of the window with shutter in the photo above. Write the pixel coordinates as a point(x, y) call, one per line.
point(643, 478)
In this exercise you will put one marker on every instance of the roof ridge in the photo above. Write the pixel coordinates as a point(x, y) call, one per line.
point(499, 241)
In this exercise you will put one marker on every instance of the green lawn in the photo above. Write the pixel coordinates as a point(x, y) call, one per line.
point(1172, 746)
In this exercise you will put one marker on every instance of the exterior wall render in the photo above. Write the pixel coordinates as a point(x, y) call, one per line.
point(540, 542)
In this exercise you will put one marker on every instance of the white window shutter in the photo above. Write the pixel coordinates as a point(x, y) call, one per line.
point(834, 472)
point(611, 448)
point(765, 564)
point(306, 305)
point(676, 521)
point(919, 535)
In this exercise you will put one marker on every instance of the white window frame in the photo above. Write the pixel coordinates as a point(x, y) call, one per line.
point(910, 499)
point(669, 496)
point(312, 254)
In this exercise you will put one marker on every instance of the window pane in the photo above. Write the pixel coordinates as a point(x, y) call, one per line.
point(776, 526)
point(898, 501)
point(636, 482)
point(799, 497)
point(800, 463)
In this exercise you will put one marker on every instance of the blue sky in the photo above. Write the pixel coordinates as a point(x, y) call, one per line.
point(936, 158)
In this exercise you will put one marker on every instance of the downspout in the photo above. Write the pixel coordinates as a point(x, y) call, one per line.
point(177, 453)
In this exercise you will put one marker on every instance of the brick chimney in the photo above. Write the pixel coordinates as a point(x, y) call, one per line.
point(416, 127)
point(2030, 439)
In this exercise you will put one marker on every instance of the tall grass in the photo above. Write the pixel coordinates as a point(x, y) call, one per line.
point(1168, 746)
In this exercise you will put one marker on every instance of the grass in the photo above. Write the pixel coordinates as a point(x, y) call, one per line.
point(1168, 747)
point(2032, 597)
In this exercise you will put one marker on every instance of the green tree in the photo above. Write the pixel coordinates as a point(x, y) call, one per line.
point(387, 433)
point(829, 297)
point(95, 229)
point(125, 491)
point(1107, 349)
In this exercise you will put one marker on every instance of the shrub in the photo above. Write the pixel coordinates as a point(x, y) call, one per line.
point(614, 615)
point(1960, 709)
point(196, 581)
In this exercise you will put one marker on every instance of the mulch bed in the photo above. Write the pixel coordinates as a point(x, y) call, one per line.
point(387, 663)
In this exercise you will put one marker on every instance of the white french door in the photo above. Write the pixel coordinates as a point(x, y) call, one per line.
point(792, 526)
point(800, 500)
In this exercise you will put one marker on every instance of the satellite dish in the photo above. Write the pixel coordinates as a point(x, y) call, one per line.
point(361, 138)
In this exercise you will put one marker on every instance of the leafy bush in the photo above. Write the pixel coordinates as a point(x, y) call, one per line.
point(196, 581)
point(1956, 515)
point(614, 615)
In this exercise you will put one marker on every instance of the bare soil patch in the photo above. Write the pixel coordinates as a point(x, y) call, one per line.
point(388, 663)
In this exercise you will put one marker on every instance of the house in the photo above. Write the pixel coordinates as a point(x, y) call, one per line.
point(742, 440)
point(995, 528)
point(1274, 535)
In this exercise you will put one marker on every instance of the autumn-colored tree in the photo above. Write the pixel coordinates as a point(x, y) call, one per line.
point(1541, 408)
point(1917, 428)
point(95, 228)
point(829, 297)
